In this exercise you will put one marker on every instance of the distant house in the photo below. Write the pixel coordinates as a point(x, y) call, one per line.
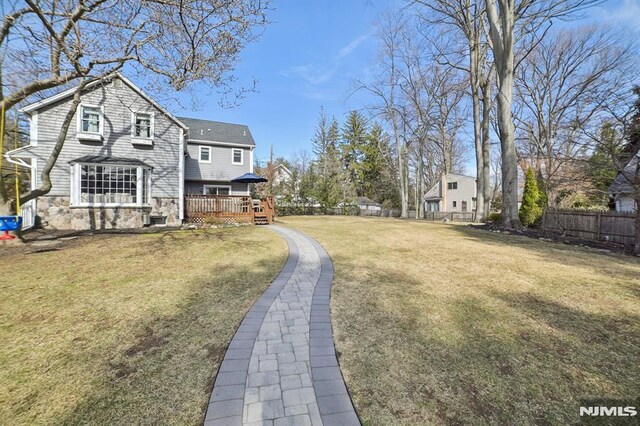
point(621, 189)
point(126, 161)
point(452, 193)
point(368, 204)
point(281, 175)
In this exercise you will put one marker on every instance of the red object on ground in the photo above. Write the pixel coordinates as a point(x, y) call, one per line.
point(7, 236)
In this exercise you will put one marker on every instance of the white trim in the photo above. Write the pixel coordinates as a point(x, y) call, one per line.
point(47, 101)
point(251, 159)
point(75, 176)
point(233, 157)
point(200, 160)
point(181, 177)
point(33, 129)
point(142, 140)
point(205, 186)
point(86, 135)
point(237, 145)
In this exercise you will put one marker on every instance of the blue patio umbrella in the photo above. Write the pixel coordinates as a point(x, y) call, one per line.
point(249, 178)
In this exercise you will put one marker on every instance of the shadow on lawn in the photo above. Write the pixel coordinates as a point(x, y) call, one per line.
point(166, 375)
point(501, 357)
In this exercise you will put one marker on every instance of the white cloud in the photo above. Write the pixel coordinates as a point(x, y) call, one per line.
point(315, 74)
point(623, 11)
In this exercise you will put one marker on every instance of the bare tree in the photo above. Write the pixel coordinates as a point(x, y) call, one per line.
point(562, 85)
point(386, 89)
point(49, 44)
point(509, 22)
point(468, 18)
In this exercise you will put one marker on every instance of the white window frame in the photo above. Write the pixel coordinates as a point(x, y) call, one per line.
point(200, 148)
point(90, 135)
point(142, 140)
point(452, 185)
point(204, 188)
point(76, 176)
point(233, 157)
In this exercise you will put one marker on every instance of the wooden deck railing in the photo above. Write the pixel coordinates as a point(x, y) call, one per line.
point(228, 208)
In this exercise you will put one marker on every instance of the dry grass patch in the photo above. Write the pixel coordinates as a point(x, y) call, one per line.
point(443, 324)
point(126, 329)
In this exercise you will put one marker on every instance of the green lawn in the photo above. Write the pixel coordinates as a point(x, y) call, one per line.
point(128, 329)
point(443, 324)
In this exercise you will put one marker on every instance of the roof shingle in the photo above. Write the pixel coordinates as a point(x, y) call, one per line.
point(216, 131)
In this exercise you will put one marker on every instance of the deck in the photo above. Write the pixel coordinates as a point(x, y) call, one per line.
point(211, 209)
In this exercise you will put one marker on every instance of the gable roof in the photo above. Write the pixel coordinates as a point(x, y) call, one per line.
point(218, 132)
point(621, 184)
point(35, 106)
point(366, 201)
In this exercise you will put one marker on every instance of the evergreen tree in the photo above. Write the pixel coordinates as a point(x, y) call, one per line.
point(354, 135)
point(530, 211)
point(601, 167)
point(326, 180)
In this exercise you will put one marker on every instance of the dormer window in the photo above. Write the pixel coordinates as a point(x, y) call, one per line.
point(142, 132)
point(90, 123)
point(236, 156)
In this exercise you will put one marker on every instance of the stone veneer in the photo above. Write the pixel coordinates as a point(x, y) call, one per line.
point(56, 213)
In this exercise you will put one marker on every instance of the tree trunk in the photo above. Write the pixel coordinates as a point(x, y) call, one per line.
point(404, 180)
point(501, 33)
point(477, 138)
point(487, 102)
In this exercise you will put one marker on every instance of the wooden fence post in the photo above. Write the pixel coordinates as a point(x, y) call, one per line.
point(598, 225)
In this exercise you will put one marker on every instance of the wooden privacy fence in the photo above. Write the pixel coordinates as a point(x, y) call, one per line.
point(611, 226)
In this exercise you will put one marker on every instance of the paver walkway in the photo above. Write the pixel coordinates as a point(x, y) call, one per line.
point(281, 366)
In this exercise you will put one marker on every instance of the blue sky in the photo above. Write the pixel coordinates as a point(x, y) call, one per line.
point(309, 56)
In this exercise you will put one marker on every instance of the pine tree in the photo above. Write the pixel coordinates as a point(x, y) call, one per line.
point(530, 211)
point(354, 135)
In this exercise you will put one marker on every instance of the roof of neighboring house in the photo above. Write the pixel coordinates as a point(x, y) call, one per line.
point(283, 167)
point(218, 132)
point(35, 106)
point(103, 159)
point(365, 200)
point(622, 185)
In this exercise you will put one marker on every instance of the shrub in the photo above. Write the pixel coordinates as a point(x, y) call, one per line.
point(530, 211)
point(494, 217)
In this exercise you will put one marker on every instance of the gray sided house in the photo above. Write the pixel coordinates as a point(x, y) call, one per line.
point(452, 193)
point(216, 153)
point(121, 163)
point(622, 190)
point(126, 161)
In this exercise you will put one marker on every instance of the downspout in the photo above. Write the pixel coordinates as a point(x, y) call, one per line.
point(181, 177)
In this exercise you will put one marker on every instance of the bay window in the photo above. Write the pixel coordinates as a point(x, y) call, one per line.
point(112, 184)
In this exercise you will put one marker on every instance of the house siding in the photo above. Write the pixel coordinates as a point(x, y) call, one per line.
point(220, 168)
point(466, 191)
point(118, 101)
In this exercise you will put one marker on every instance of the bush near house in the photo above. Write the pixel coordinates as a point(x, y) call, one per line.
point(530, 211)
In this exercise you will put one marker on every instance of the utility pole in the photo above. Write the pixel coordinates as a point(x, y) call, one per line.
point(270, 171)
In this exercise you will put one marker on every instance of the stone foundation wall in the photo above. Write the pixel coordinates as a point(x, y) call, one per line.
point(56, 213)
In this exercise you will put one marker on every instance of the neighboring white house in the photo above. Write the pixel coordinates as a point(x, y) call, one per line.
point(452, 193)
point(281, 175)
point(126, 160)
point(621, 189)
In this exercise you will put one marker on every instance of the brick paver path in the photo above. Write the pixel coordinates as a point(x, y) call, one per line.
point(281, 366)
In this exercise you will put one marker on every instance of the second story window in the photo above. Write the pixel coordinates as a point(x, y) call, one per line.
point(236, 156)
point(205, 154)
point(142, 125)
point(91, 119)
point(452, 185)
